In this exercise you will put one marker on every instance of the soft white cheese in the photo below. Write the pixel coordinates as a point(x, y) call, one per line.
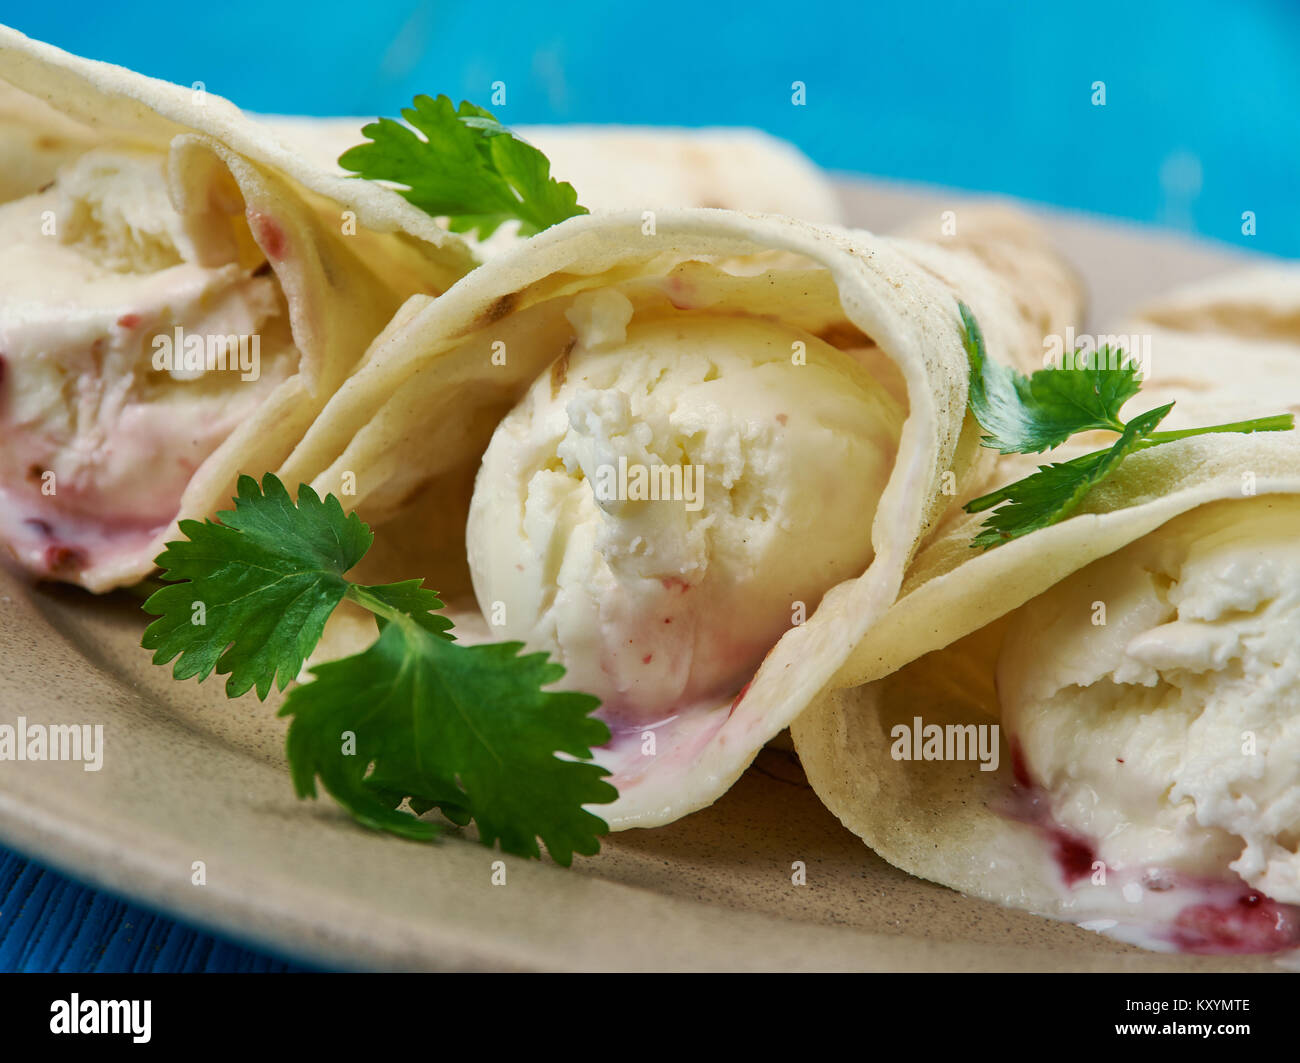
point(669, 498)
point(96, 431)
point(1155, 695)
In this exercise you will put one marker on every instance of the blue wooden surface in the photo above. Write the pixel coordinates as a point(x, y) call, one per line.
point(1200, 124)
point(51, 923)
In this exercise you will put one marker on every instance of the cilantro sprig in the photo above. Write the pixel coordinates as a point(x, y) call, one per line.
point(416, 717)
point(466, 167)
point(1030, 414)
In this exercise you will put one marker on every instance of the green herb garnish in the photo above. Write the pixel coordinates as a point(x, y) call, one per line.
point(465, 729)
point(1029, 414)
point(467, 167)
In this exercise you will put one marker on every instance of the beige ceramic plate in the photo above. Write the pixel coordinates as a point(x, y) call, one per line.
point(189, 777)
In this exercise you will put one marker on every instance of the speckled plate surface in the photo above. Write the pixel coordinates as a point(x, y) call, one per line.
point(189, 777)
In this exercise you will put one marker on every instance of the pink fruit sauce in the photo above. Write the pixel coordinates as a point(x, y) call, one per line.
point(1235, 919)
point(1206, 916)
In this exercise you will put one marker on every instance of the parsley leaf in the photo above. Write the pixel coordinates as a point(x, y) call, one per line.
point(466, 167)
point(1030, 414)
point(466, 728)
point(409, 597)
point(1027, 415)
point(1055, 491)
point(416, 717)
point(259, 586)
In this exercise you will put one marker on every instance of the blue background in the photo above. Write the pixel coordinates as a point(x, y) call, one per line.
point(1201, 123)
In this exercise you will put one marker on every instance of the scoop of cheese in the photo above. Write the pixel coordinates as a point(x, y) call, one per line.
point(666, 501)
point(1155, 695)
point(127, 353)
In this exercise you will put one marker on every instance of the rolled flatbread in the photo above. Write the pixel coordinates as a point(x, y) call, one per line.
point(790, 400)
point(634, 168)
point(178, 301)
point(612, 167)
point(1100, 722)
point(35, 140)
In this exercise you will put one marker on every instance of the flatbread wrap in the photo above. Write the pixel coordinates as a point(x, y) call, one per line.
point(1129, 676)
point(178, 299)
point(35, 140)
point(625, 167)
point(688, 456)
